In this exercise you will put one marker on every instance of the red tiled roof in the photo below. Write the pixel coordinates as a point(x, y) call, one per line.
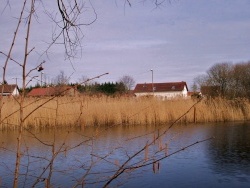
point(49, 91)
point(7, 88)
point(160, 87)
point(40, 92)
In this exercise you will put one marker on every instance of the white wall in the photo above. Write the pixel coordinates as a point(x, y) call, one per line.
point(15, 92)
point(169, 95)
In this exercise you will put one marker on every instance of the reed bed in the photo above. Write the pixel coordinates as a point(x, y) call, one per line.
point(109, 111)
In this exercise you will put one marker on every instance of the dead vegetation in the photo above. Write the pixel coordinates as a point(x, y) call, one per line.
point(109, 111)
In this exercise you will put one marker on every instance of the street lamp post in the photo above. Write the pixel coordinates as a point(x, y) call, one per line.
point(15, 79)
point(40, 69)
point(41, 78)
point(152, 80)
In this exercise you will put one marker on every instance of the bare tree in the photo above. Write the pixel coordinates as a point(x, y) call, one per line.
point(218, 78)
point(61, 79)
point(128, 82)
point(201, 80)
point(226, 80)
point(219, 75)
point(68, 33)
point(86, 81)
point(240, 86)
point(69, 22)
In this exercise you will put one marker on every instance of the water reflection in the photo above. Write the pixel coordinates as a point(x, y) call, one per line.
point(223, 161)
point(230, 150)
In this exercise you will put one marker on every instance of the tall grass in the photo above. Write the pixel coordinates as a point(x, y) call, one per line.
point(108, 111)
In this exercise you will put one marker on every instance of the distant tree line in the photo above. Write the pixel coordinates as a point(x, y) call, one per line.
point(226, 80)
point(122, 86)
point(108, 88)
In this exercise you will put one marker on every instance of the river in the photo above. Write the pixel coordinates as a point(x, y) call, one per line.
point(94, 157)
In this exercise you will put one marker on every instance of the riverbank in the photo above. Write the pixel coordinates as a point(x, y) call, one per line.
point(107, 111)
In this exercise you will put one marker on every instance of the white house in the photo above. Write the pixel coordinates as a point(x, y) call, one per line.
point(9, 90)
point(168, 90)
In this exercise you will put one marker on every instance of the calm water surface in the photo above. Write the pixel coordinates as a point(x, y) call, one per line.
point(223, 161)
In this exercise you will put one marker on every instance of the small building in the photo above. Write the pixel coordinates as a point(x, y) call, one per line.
point(210, 91)
point(53, 91)
point(194, 95)
point(168, 90)
point(9, 90)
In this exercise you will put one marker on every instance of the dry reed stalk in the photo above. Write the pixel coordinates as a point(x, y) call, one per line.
point(106, 111)
point(146, 154)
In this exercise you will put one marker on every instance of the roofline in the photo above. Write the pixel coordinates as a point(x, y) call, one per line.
point(152, 83)
point(163, 82)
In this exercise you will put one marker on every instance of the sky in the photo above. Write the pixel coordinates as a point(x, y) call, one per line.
point(178, 40)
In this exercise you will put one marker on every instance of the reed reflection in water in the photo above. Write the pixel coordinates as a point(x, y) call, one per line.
point(222, 161)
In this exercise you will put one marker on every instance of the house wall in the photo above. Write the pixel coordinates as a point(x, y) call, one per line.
point(5, 94)
point(72, 92)
point(168, 94)
point(15, 92)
